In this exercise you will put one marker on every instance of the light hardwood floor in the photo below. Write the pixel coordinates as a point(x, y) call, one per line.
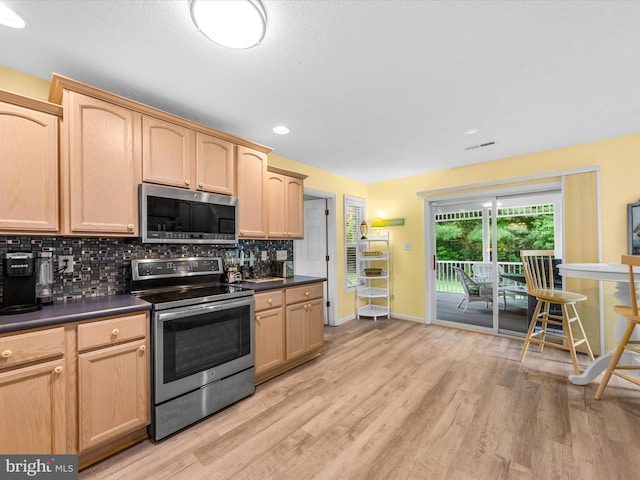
point(397, 400)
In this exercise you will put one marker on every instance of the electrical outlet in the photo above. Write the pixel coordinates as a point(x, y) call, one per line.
point(264, 255)
point(65, 263)
point(281, 255)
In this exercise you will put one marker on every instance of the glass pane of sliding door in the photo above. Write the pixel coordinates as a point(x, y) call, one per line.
point(465, 289)
point(523, 222)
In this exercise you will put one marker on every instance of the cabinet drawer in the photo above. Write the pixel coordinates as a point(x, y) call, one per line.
point(267, 300)
point(28, 347)
point(303, 293)
point(112, 331)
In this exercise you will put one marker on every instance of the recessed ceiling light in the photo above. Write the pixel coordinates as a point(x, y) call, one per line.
point(471, 131)
point(230, 23)
point(281, 130)
point(11, 18)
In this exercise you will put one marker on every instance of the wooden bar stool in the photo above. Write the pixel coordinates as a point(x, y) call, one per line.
point(631, 314)
point(538, 271)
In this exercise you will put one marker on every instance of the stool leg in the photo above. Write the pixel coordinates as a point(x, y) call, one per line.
point(566, 324)
point(584, 335)
point(544, 323)
point(614, 360)
point(534, 320)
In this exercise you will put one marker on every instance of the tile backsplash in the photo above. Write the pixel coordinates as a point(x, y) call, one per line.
point(102, 266)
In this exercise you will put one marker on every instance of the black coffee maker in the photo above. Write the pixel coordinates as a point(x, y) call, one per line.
point(19, 283)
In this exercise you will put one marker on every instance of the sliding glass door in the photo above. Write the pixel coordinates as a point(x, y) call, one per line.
point(479, 283)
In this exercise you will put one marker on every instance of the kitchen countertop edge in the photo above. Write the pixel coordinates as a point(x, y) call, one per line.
point(75, 311)
point(294, 281)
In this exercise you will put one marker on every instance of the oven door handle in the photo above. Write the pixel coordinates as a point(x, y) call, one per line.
point(200, 309)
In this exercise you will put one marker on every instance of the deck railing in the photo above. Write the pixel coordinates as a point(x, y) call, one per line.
point(448, 282)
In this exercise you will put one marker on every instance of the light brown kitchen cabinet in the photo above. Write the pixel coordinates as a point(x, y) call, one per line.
point(289, 328)
point(269, 331)
point(113, 379)
point(305, 319)
point(29, 155)
point(100, 167)
point(167, 153)
point(32, 393)
point(215, 165)
point(253, 200)
point(286, 207)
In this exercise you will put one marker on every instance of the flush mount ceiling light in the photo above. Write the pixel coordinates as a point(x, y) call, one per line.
point(281, 130)
point(471, 131)
point(231, 23)
point(10, 18)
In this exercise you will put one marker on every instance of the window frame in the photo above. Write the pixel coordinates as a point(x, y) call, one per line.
point(352, 206)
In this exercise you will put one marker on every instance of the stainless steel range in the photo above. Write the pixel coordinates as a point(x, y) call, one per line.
point(202, 339)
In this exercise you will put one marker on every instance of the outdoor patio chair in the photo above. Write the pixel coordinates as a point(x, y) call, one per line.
point(476, 291)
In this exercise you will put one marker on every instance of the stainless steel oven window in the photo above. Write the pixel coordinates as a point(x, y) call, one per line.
point(204, 341)
point(241, 309)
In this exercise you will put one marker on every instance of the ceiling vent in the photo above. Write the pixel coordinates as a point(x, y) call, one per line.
point(488, 144)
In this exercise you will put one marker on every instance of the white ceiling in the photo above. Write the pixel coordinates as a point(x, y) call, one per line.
point(372, 90)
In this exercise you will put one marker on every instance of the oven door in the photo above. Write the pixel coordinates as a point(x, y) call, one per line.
point(201, 344)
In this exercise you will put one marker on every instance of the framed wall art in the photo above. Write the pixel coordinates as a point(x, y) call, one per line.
point(634, 228)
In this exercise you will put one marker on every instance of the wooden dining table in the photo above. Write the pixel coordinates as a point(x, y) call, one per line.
point(613, 272)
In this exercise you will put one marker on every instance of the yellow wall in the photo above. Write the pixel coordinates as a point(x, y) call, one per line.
point(619, 162)
point(24, 84)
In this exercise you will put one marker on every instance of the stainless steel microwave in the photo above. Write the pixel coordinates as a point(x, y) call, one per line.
point(173, 215)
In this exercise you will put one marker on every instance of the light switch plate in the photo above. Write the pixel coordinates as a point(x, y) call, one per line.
point(281, 255)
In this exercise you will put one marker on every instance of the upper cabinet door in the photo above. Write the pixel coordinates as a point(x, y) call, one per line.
point(101, 166)
point(277, 205)
point(29, 179)
point(215, 165)
point(295, 207)
point(167, 153)
point(253, 201)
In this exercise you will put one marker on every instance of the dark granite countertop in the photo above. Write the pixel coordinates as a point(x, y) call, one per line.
point(280, 283)
point(73, 312)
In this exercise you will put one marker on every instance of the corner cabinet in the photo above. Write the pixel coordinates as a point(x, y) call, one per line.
point(286, 204)
point(29, 156)
point(373, 277)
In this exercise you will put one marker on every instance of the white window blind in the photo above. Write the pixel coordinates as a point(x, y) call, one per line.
point(354, 214)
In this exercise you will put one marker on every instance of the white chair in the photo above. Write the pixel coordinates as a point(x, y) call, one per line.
point(631, 314)
point(475, 291)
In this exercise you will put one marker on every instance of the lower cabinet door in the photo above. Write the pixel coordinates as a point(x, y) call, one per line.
point(315, 324)
point(32, 409)
point(269, 335)
point(296, 330)
point(113, 393)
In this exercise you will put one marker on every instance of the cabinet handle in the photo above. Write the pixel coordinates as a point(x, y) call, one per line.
point(270, 301)
point(6, 353)
point(115, 332)
point(58, 369)
point(306, 293)
point(130, 227)
point(143, 348)
point(258, 318)
point(187, 183)
point(200, 185)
